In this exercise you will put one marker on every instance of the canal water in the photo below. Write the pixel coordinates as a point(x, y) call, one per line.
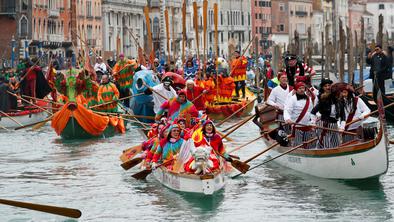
point(38, 167)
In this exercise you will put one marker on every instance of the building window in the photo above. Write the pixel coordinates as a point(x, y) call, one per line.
point(381, 6)
point(221, 36)
point(156, 28)
point(24, 5)
point(281, 28)
point(23, 26)
point(281, 7)
point(89, 8)
point(109, 18)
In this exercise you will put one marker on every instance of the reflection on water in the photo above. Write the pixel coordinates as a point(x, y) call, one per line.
point(40, 167)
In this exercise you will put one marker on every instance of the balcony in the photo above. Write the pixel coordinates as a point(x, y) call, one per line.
point(301, 13)
point(55, 38)
point(53, 13)
point(7, 10)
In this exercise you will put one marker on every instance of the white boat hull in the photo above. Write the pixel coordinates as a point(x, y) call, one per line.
point(190, 183)
point(22, 119)
point(355, 163)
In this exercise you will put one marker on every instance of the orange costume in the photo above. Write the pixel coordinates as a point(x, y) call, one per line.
point(107, 93)
point(226, 88)
point(123, 73)
point(239, 66)
point(209, 85)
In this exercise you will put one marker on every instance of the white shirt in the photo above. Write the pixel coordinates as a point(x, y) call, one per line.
point(158, 100)
point(293, 109)
point(278, 97)
point(100, 67)
point(361, 111)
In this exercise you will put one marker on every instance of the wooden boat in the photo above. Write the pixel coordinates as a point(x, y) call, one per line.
point(76, 122)
point(24, 117)
point(358, 159)
point(389, 112)
point(206, 184)
point(220, 111)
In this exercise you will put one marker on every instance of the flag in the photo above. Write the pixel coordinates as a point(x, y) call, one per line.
point(141, 57)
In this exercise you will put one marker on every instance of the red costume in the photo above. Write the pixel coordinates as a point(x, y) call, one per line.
point(192, 95)
point(31, 77)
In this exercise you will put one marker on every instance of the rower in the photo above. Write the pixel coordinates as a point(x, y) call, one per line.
point(168, 147)
point(123, 73)
point(351, 108)
point(165, 89)
point(196, 94)
point(326, 114)
point(176, 107)
point(279, 94)
point(108, 92)
point(298, 110)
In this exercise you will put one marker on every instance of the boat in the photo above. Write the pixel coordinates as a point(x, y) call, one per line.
point(28, 115)
point(387, 99)
point(206, 184)
point(74, 121)
point(220, 111)
point(358, 159)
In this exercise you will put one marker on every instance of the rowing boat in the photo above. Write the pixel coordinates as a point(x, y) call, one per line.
point(74, 121)
point(220, 111)
point(206, 184)
point(24, 117)
point(357, 159)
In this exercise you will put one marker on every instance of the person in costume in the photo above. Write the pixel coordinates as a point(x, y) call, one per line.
point(190, 70)
point(195, 94)
point(326, 114)
point(123, 73)
point(177, 106)
point(226, 86)
point(351, 108)
point(108, 92)
point(100, 68)
point(168, 147)
point(209, 137)
point(239, 65)
point(298, 110)
point(164, 88)
point(4, 97)
point(210, 86)
point(294, 68)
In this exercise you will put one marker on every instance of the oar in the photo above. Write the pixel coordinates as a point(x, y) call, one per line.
point(267, 161)
point(129, 153)
point(63, 211)
point(131, 163)
point(242, 146)
point(370, 114)
point(132, 114)
point(29, 102)
point(127, 97)
point(323, 128)
point(243, 123)
point(11, 118)
point(201, 94)
point(2, 127)
point(43, 100)
point(151, 89)
point(235, 124)
point(222, 135)
point(33, 124)
point(243, 107)
point(239, 165)
point(143, 174)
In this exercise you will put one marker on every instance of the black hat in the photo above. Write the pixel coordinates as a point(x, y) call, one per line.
point(325, 81)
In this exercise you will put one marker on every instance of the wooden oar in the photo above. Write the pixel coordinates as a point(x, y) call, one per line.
point(289, 151)
point(63, 211)
point(4, 128)
point(370, 114)
point(129, 153)
point(323, 128)
point(39, 107)
point(222, 135)
point(11, 118)
point(131, 114)
point(235, 124)
point(201, 94)
point(235, 113)
point(243, 123)
point(239, 165)
point(151, 89)
point(131, 163)
point(43, 100)
point(242, 146)
point(143, 174)
point(107, 103)
point(33, 124)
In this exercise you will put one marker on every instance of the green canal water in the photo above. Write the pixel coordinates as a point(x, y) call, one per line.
point(38, 167)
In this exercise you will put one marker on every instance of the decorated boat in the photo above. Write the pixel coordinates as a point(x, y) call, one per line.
point(75, 121)
point(28, 115)
point(222, 110)
point(357, 159)
point(201, 184)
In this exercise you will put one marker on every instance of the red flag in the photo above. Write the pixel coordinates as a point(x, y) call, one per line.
point(141, 57)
